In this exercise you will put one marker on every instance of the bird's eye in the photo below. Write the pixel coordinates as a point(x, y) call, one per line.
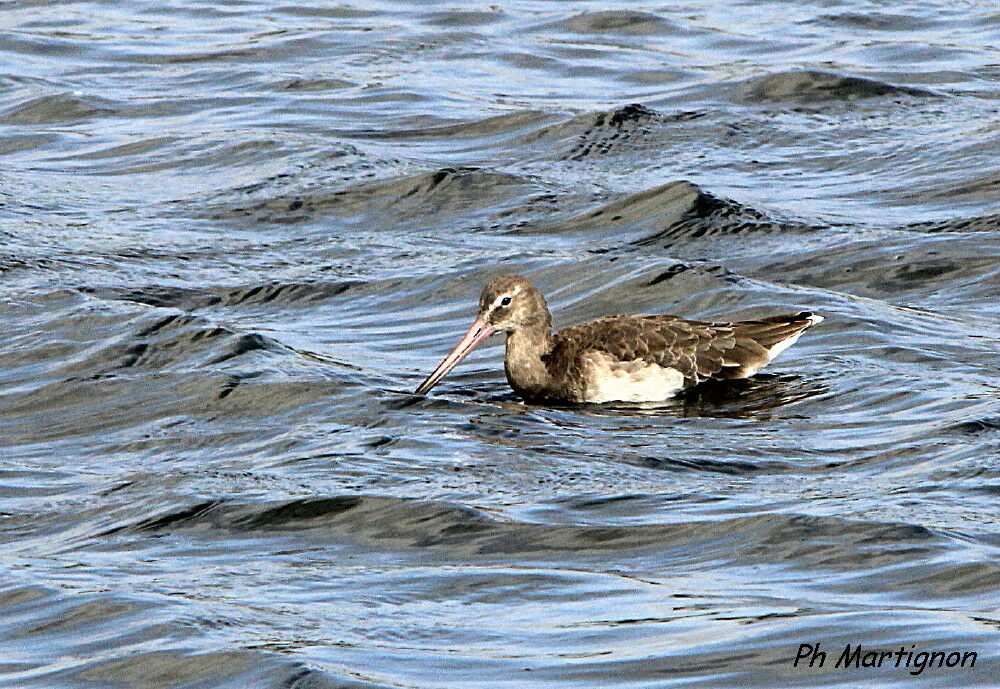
point(505, 301)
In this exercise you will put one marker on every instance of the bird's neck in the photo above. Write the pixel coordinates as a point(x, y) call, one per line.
point(526, 371)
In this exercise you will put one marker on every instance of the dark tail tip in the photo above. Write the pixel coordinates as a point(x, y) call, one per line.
point(813, 318)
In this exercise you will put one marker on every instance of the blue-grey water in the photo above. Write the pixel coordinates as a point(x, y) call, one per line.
point(235, 235)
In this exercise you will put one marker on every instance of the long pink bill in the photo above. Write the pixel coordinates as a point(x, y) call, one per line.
point(478, 333)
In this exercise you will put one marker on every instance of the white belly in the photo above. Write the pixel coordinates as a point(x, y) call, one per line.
point(610, 380)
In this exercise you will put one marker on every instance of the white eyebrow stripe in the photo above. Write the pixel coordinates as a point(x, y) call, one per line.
point(496, 302)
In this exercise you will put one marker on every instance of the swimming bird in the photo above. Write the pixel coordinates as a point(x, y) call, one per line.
point(619, 358)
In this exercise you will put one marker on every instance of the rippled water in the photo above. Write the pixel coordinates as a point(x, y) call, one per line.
point(236, 235)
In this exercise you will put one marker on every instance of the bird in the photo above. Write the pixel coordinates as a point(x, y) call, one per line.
point(639, 358)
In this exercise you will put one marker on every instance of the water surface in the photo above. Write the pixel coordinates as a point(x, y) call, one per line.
point(236, 235)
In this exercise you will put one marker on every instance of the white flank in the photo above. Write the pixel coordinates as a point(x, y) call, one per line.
point(782, 346)
point(610, 380)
